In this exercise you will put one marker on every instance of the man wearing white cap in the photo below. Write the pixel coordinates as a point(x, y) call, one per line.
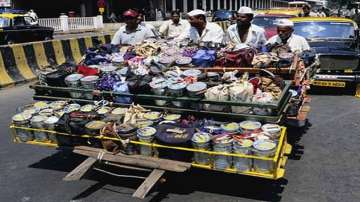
point(243, 33)
point(285, 36)
point(201, 30)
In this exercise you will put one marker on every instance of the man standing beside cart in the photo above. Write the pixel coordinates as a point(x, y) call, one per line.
point(243, 33)
point(201, 30)
point(286, 37)
point(174, 27)
point(132, 33)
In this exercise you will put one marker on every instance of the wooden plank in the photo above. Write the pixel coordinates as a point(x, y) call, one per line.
point(150, 181)
point(81, 170)
point(135, 160)
point(127, 167)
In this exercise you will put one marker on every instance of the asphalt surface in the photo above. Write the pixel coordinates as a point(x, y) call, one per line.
point(324, 165)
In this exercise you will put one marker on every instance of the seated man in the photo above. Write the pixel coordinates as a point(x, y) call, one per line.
point(201, 30)
point(243, 33)
point(307, 12)
point(141, 21)
point(132, 33)
point(285, 36)
point(174, 27)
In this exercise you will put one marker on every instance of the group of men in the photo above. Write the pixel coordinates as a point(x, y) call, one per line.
point(242, 34)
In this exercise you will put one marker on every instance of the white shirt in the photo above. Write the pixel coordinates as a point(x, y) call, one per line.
point(322, 14)
point(211, 33)
point(295, 42)
point(151, 27)
point(255, 37)
point(172, 30)
point(122, 36)
point(311, 14)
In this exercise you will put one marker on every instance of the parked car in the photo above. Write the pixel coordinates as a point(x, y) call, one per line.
point(268, 22)
point(280, 11)
point(223, 15)
point(336, 42)
point(17, 28)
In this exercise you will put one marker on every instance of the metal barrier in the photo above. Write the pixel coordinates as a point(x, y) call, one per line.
point(81, 23)
point(21, 62)
point(66, 24)
point(51, 22)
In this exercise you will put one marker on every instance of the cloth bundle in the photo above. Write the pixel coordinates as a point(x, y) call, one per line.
point(204, 58)
point(264, 60)
point(238, 58)
point(241, 91)
point(217, 93)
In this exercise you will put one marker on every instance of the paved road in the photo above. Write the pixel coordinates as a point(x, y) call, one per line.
point(325, 166)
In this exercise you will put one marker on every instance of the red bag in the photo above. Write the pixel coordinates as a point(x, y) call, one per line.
point(239, 58)
point(87, 71)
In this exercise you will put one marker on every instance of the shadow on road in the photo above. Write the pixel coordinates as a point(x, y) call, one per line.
point(294, 135)
point(195, 180)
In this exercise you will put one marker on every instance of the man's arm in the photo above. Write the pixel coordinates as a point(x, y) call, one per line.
point(164, 28)
point(116, 39)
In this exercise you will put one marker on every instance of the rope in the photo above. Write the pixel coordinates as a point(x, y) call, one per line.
point(100, 156)
point(117, 175)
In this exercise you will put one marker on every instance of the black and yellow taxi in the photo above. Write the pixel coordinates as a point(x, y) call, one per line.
point(336, 43)
point(19, 28)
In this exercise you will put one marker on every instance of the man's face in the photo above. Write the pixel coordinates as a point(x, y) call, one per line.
point(306, 10)
point(243, 18)
point(131, 21)
point(195, 21)
point(243, 21)
point(284, 32)
point(175, 18)
point(140, 18)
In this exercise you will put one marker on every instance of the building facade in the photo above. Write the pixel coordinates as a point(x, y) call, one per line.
point(89, 7)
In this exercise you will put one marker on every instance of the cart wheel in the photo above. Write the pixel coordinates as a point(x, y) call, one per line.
point(10, 42)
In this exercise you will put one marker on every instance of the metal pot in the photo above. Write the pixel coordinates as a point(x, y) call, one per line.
point(159, 87)
point(242, 146)
point(192, 72)
point(37, 122)
point(23, 120)
point(196, 90)
point(264, 148)
point(201, 141)
point(273, 129)
point(94, 127)
point(89, 82)
point(177, 90)
point(50, 124)
point(222, 143)
point(73, 81)
point(147, 135)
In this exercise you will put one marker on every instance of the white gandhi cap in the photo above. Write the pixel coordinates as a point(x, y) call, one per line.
point(284, 23)
point(245, 10)
point(196, 12)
